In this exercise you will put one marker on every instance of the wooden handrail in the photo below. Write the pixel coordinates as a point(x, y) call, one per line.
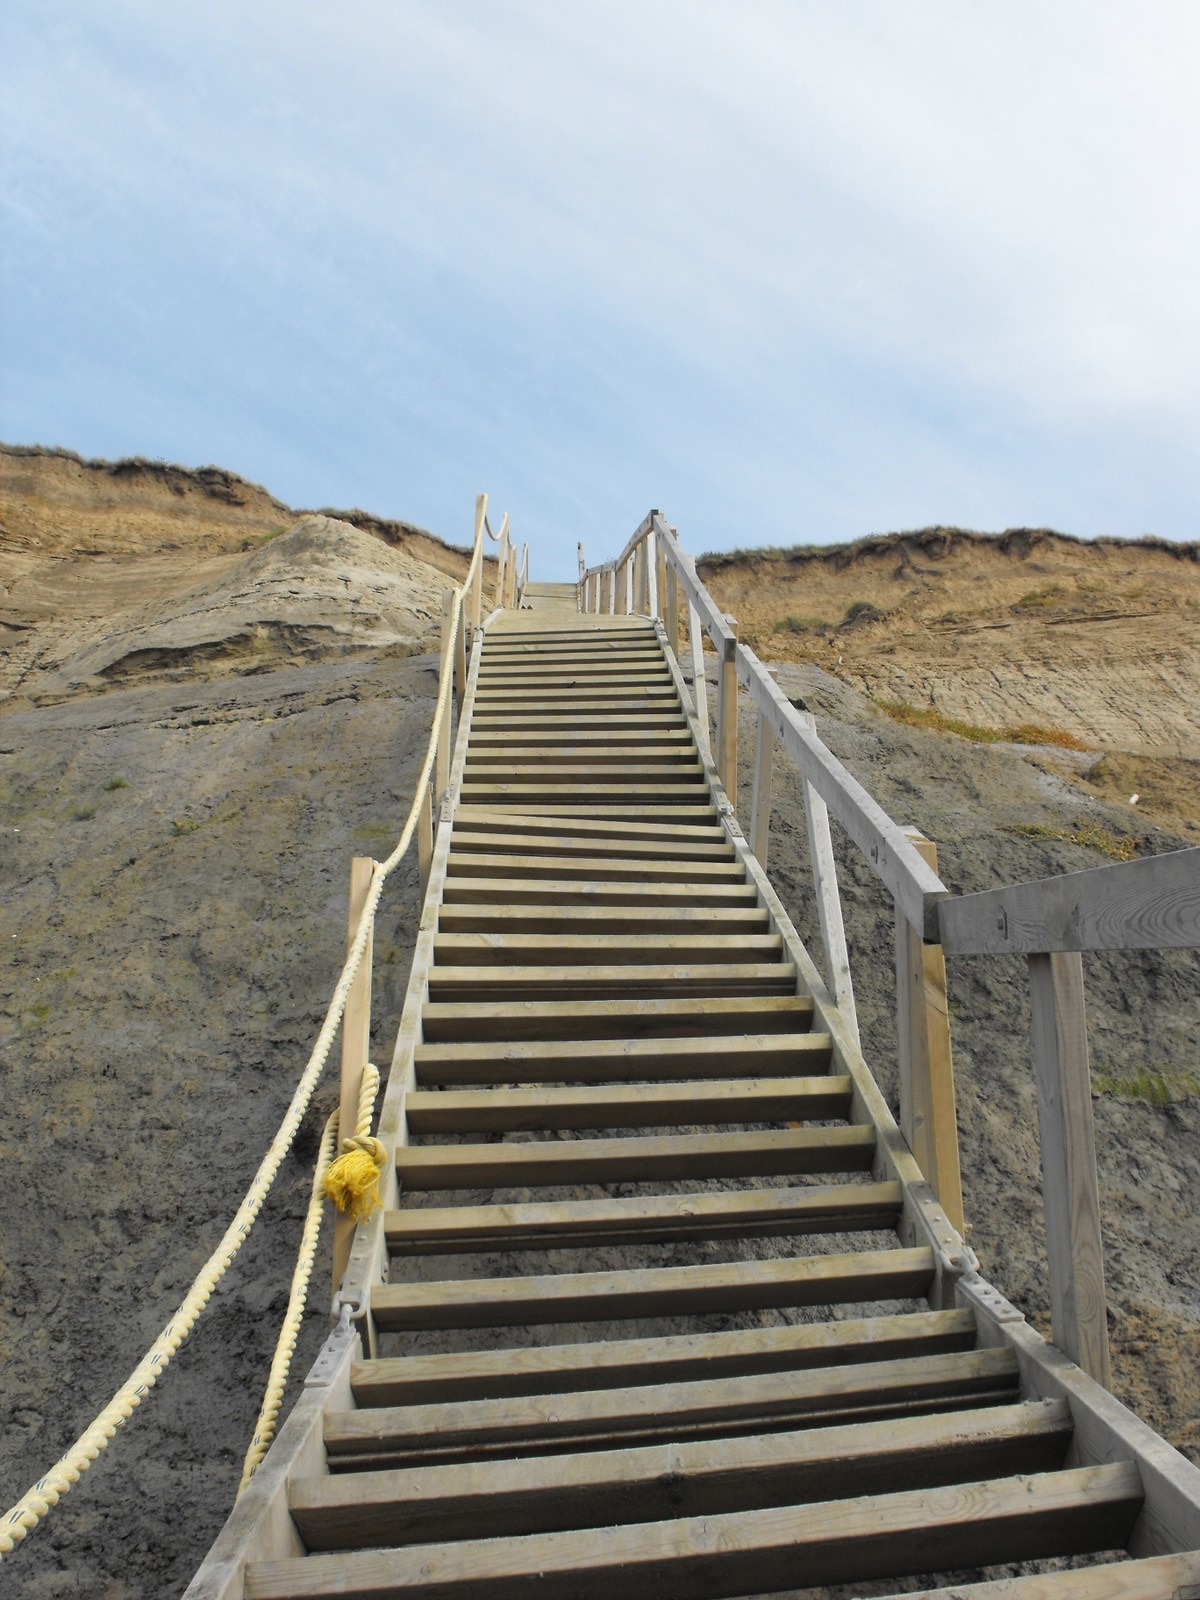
point(1151, 904)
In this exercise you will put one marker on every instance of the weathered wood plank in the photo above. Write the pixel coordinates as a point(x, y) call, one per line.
point(618, 982)
point(621, 1060)
point(672, 1358)
point(468, 838)
point(579, 827)
point(649, 1483)
point(590, 795)
point(686, 1156)
point(761, 1402)
point(642, 1105)
point(658, 1292)
point(638, 1219)
point(1152, 904)
point(592, 892)
point(608, 1019)
point(733, 1553)
point(1070, 1189)
point(585, 949)
point(610, 866)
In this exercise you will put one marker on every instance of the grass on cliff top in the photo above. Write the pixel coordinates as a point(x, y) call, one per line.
point(1021, 733)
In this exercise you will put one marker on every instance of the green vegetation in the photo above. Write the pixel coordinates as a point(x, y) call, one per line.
point(1048, 595)
point(82, 813)
point(801, 625)
point(1090, 834)
point(938, 722)
point(182, 825)
point(117, 783)
point(255, 541)
point(1156, 1086)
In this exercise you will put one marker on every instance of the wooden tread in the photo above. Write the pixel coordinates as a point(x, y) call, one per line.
point(683, 1156)
point(640, 1105)
point(654, 1291)
point(585, 950)
point(667, 1358)
point(614, 1019)
point(638, 1219)
point(616, 982)
point(608, 868)
point(564, 916)
point(621, 1060)
point(536, 1494)
point(735, 1553)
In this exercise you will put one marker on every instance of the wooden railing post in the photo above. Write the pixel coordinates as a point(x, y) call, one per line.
point(1070, 1188)
point(476, 600)
point(660, 578)
point(612, 590)
point(502, 568)
point(927, 1108)
point(760, 803)
point(442, 762)
point(629, 574)
point(673, 610)
point(651, 569)
point(356, 1043)
point(727, 715)
point(699, 682)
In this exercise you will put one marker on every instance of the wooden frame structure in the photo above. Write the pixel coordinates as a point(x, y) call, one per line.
point(1119, 1483)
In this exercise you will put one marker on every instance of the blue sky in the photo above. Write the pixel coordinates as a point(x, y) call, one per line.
point(792, 272)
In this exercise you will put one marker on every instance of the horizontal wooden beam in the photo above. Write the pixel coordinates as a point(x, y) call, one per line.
point(1152, 904)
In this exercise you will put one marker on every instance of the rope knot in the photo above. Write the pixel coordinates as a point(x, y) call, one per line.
point(352, 1182)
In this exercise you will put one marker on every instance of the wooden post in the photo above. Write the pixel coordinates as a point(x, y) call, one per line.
point(1070, 1189)
point(460, 654)
point(442, 762)
point(582, 586)
point(829, 901)
point(651, 566)
point(699, 684)
point(927, 1110)
point(629, 586)
point(673, 610)
point(502, 567)
point(660, 578)
point(356, 1043)
point(760, 805)
point(425, 839)
point(612, 589)
point(476, 604)
point(727, 716)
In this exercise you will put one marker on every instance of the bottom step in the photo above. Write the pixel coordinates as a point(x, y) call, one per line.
point(738, 1553)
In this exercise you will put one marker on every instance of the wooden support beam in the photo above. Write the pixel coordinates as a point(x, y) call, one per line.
point(727, 713)
point(442, 765)
point(699, 682)
point(1069, 1183)
point(927, 1104)
point(356, 1044)
point(425, 838)
point(823, 864)
point(760, 803)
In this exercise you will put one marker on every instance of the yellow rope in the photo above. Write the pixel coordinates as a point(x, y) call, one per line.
point(18, 1522)
point(358, 1195)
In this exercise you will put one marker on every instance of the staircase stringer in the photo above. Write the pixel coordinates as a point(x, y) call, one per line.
point(1105, 1430)
point(922, 1220)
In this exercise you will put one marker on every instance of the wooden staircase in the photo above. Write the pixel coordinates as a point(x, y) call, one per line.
point(670, 1310)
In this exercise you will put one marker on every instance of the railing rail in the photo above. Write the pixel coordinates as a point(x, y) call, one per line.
point(1138, 905)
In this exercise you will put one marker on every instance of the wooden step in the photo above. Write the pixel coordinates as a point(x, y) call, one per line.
point(641, 1105)
point(497, 721)
point(649, 1219)
point(520, 756)
point(586, 949)
point(634, 692)
point(672, 1412)
point(650, 830)
point(608, 1019)
point(670, 774)
point(590, 795)
point(567, 918)
point(986, 1522)
point(623, 982)
point(686, 813)
point(599, 1488)
point(589, 891)
point(676, 736)
point(672, 1157)
point(622, 1060)
point(611, 867)
point(672, 1358)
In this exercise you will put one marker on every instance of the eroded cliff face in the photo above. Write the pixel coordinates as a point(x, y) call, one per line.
point(1098, 642)
point(216, 703)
